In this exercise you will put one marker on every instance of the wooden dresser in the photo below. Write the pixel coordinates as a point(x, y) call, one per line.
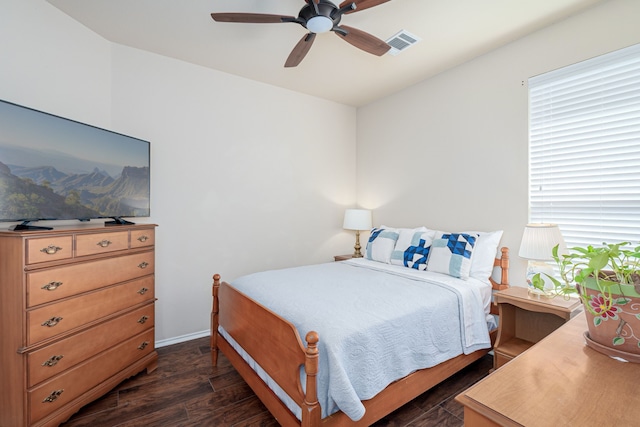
point(76, 317)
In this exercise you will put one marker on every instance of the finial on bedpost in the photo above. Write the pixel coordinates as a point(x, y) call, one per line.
point(214, 319)
point(505, 265)
point(311, 409)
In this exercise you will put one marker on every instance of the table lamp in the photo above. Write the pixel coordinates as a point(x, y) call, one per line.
point(357, 219)
point(537, 244)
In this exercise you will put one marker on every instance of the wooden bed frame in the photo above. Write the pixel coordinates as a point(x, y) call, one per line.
point(274, 343)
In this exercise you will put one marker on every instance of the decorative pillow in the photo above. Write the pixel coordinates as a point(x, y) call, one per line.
point(451, 254)
point(381, 243)
point(484, 253)
point(412, 247)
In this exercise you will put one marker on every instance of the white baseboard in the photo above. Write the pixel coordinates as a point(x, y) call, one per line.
point(182, 338)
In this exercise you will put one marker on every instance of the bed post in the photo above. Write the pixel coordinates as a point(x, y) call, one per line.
point(503, 264)
point(311, 408)
point(214, 320)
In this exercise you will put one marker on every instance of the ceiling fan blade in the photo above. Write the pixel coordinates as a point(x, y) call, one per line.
point(315, 4)
point(300, 51)
point(363, 40)
point(362, 4)
point(255, 18)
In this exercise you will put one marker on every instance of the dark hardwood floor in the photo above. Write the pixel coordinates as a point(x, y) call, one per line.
point(186, 390)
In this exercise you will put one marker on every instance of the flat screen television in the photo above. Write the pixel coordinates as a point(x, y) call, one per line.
point(52, 168)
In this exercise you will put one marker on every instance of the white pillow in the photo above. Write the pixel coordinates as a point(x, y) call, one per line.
point(451, 254)
point(381, 243)
point(412, 247)
point(484, 253)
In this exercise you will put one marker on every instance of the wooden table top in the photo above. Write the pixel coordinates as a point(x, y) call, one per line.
point(560, 382)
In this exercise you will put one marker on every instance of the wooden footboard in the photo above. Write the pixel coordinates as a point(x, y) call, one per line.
point(274, 343)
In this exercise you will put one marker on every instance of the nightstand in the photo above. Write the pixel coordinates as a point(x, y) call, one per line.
point(525, 319)
point(342, 257)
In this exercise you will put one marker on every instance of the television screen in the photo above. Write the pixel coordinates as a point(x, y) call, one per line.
point(56, 168)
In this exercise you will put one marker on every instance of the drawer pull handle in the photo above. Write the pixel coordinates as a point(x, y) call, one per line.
point(104, 243)
point(52, 286)
point(53, 360)
point(143, 238)
point(143, 319)
point(143, 291)
point(143, 345)
point(53, 396)
point(52, 322)
point(143, 264)
point(51, 249)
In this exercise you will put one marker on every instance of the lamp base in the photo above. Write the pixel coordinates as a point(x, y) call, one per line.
point(357, 247)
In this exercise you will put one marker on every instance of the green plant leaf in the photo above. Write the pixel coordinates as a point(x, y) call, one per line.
point(537, 281)
point(597, 320)
point(618, 341)
point(599, 261)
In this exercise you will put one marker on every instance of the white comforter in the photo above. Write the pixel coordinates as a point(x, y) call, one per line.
point(377, 323)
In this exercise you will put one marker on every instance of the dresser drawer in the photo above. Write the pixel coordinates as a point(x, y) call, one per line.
point(52, 284)
point(62, 389)
point(53, 319)
point(99, 243)
point(52, 248)
point(142, 238)
point(51, 360)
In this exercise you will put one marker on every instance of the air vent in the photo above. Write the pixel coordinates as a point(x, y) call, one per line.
point(402, 41)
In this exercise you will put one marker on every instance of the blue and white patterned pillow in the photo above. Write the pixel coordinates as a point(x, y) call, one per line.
point(412, 247)
point(451, 254)
point(381, 243)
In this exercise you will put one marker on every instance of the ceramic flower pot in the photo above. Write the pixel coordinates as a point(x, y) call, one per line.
point(614, 328)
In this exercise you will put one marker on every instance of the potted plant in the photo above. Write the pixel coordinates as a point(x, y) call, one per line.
point(607, 279)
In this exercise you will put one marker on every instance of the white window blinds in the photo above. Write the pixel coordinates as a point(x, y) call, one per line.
point(584, 160)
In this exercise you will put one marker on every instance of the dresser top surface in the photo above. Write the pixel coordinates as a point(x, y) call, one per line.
point(561, 381)
point(79, 228)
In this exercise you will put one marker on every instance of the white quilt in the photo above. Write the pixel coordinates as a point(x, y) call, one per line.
point(377, 323)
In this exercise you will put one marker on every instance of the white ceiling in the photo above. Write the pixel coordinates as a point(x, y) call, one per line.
point(452, 32)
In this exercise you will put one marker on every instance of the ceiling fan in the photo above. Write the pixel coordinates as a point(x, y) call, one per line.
point(318, 16)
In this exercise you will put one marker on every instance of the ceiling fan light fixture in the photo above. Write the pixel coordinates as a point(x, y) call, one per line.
point(319, 24)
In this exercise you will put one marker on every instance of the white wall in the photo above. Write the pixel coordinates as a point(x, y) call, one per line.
point(451, 152)
point(243, 178)
point(51, 63)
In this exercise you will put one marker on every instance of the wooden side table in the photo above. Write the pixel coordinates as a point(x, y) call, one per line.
point(559, 382)
point(525, 319)
point(342, 257)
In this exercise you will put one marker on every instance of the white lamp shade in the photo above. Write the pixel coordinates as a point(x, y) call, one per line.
point(538, 241)
point(357, 219)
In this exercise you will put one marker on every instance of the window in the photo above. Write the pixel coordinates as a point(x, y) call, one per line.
point(584, 149)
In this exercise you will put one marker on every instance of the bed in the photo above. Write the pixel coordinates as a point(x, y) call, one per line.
point(310, 383)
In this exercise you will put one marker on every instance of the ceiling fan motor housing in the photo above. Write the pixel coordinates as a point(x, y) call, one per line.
point(326, 9)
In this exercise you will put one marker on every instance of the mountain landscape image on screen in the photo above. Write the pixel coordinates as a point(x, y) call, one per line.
point(29, 192)
point(52, 168)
